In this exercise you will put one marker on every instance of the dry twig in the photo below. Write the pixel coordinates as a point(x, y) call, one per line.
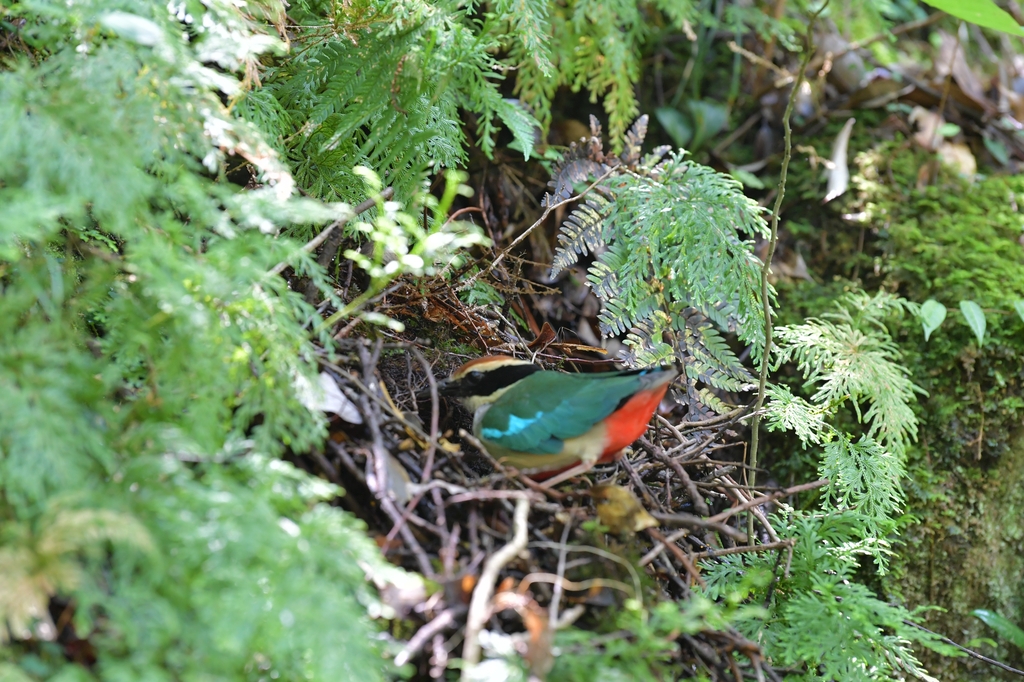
point(479, 605)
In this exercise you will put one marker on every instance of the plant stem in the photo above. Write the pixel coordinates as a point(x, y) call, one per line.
point(766, 267)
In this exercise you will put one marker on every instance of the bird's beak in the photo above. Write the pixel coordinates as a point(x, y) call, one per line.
point(444, 388)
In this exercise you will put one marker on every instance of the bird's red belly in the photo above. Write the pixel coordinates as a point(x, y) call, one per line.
point(624, 426)
point(629, 422)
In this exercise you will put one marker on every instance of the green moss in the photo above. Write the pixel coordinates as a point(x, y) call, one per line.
point(950, 241)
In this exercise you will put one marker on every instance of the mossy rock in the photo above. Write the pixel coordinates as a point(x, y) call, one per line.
point(950, 241)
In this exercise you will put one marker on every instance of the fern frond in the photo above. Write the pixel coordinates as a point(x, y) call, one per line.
point(863, 476)
point(787, 412)
point(630, 155)
point(862, 366)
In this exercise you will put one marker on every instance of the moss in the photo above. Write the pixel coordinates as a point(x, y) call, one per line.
point(951, 241)
point(968, 553)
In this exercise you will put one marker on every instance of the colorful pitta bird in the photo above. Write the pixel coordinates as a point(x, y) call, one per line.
point(549, 423)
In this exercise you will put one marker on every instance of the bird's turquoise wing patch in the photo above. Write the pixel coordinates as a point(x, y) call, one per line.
point(543, 410)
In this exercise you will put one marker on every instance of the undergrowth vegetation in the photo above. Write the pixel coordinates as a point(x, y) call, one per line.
point(159, 164)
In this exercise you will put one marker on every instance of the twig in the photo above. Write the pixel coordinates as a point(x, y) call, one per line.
point(556, 595)
point(479, 495)
point(766, 268)
point(679, 554)
point(443, 620)
point(743, 550)
point(478, 605)
point(858, 44)
point(945, 91)
point(434, 403)
point(784, 75)
point(543, 216)
point(637, 593)
point(693, 521)
point(377, 465)
point(316, 241)
point(581, 586)
point(660, 547)
point(758, 501)
point(972, 654)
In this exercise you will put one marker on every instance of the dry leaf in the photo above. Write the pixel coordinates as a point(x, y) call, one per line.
point(839, 173)
point(325, 396)
point(928, 124)
point(619, 509)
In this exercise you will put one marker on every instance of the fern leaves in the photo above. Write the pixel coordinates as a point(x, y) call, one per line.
point(676, 260)
point(851, 357)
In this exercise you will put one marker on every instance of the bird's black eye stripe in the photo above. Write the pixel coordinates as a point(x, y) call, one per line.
point(486, 383)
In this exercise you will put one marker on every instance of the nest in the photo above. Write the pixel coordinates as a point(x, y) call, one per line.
point(517, 562)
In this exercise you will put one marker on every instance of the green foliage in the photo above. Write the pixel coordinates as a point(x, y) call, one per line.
point(975, 319)
point(399, 243)
point(1006, 628)
point(648, 653)
point(849, 356)
point(821, 619)
point(953, 242)
point(148, 362)
point(981, 12)
point(380, 84)
point(932, 315)
point(677, 260)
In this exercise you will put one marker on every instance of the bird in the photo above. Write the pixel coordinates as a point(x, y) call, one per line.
point(554, 425)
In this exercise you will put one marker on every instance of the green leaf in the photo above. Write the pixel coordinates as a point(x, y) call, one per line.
point(134, 28)
point(1006, 629)
point(708, 118)
point(1019, 307)
point(675, 124)
point(932, 314)
point(747, 178)
point(997, 149)
point(975, 318)
point(981, 12)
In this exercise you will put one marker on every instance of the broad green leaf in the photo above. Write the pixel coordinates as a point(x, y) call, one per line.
point(975, 318)
point(708, 118)
point(675, 124)
point(1006, 629)
point(747, 178)
point(1019, 307)
point(981, 12)
point(932, 314)
point(997, 149)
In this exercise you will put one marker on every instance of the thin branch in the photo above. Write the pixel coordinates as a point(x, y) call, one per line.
point(679, 554)
point(858, 44)
point(743, 550)
point(694, 521)
point(972, 654)
point(316, 241)
point(480, 603)
point(526, 233)
point(772, 242)
point(444, 620)
point(758, 501)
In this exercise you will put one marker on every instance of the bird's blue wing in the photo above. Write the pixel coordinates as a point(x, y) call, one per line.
point(543, 410)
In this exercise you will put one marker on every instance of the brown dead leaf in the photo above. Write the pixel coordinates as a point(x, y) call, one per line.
point(619, 509)
point(968, 81)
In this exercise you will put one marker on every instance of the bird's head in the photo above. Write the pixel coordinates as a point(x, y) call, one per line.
point(481, 381)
